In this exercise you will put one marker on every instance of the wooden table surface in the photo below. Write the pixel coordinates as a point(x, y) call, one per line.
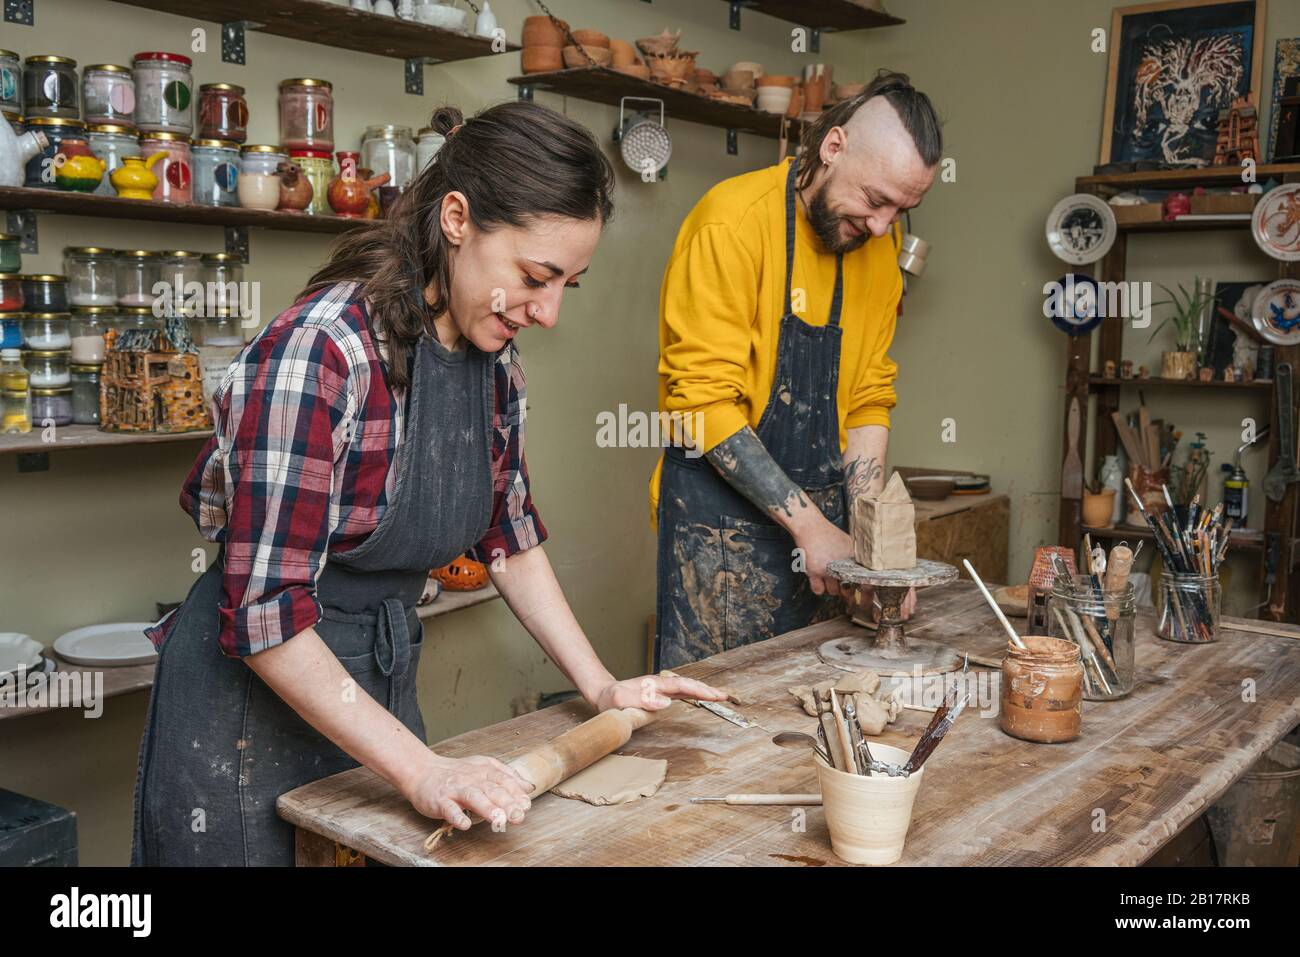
point(1197, 720)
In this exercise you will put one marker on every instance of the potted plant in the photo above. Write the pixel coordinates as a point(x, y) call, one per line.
point(1186, 311)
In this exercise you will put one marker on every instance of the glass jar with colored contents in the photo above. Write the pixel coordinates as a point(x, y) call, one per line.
point(91, 272)
point(307, 114)
point(112, 142)
point(11, 330)
point(11, 82)
point(15, 412)
point(389, 149)
point(13, 374)
point(137, 273)
point(223, 112)
point(221, 327)
point(261, 159)
point(182, 272)
point(89, 323)
point(108, 94)
point(318, 167)
point(11, 292)
point(259, 186)
point(39, 171)
point(222, 275)
point(51, 88)
point(85, 394)
point(45, 292)
point(163, 97)
point(52, 406)
point(137, 317)
point(48, 368)
point(216, 173)
point(45, 331)
point(175, 173)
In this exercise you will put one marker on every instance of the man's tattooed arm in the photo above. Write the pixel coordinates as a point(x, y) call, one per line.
point(864, 461)
point(860, 476)
point(750, 469)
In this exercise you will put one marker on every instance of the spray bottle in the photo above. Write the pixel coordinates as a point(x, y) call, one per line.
point(1236, 487)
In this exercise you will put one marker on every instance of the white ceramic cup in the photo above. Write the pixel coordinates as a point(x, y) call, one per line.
point(868, 816)
point(774, 99)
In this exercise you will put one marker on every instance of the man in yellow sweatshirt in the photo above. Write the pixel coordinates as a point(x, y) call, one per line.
point(776, 313)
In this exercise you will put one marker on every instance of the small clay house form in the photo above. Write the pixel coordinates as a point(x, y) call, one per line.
point(884, 528)
point(152, 381)
point(1238, 138)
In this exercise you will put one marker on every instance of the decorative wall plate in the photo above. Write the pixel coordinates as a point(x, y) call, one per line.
point(1081, 229)
point(1276, 223)
point(1074, 309)
point(1276, 312)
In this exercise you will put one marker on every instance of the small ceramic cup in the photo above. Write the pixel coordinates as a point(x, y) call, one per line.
point(868, 816)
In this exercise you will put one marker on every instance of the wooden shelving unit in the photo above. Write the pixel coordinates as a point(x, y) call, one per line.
point(602, 85)
point(1278, 545)
point(821, 14)
point(89, 437)
point(1245, 540)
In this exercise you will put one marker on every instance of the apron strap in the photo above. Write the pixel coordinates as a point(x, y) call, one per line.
point(837, 300)
point(392, 640)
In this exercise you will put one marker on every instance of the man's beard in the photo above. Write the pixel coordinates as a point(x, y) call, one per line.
point(826, 225)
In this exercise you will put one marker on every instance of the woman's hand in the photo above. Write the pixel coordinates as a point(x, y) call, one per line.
point(654, 692)
point(448, 787)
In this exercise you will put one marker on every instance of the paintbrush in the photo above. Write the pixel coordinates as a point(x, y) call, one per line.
point(1015, 638)
point(932, 736)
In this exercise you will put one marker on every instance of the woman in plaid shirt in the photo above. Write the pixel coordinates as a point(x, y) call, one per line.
point(372, 431)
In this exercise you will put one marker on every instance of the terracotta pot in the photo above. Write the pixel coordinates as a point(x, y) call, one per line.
point(574, 59)
point(814, 95)
point(776, 80)
point(1098, 509)
point(624, 53)
point(796, 102)
point(868, 815)
point(751, 66)
point(295, 188)
point(592, 38)
point(1178, 365)
point(541, 59)
point(541, 32)
point(737, 80)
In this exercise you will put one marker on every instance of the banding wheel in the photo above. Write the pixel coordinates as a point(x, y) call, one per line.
point(890, 651)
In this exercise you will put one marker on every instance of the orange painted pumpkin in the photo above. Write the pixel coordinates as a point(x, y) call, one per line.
point(464, 574)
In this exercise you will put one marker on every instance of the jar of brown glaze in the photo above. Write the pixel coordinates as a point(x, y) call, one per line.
point(1042, 690)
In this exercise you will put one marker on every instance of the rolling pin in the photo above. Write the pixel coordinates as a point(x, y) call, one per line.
point(562, 757)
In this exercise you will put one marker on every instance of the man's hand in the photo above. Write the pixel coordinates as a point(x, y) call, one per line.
point(822, 544)
point(654, 692)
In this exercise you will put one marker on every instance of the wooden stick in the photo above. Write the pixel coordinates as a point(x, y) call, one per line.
point(846, 741)
point(812, 800)
point(1015, 638)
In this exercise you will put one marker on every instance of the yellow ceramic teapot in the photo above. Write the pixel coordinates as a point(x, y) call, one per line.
point(135, 179)
point(76, 168)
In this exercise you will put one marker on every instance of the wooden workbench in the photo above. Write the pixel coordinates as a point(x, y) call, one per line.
point(1152, 763)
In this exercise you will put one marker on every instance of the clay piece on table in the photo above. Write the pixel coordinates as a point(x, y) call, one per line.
point(615, 779)
point(873, 714)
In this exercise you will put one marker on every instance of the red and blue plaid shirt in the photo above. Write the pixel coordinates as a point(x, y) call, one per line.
point(300, 465)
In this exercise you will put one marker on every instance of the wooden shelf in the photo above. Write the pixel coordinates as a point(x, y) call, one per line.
point(1256, 385)
point(1249, 540)
point(332, 25)
point(1215, 176)
point(601, 85)
point(823, 14)
point(1185, 226)
point(87, 436)
point(450, 601)
point(114, 207)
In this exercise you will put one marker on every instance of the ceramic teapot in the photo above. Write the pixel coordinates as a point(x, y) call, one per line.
point(349, 191)
point(76, 168)
point(134, 179)
point(16, 151)
point(295, 189)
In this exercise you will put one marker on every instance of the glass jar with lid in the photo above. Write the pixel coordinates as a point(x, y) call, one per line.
point(427, 144)
point(13, 374)
point(11, 254)
point(11, 82)
point(137, 317)
point(307, 114)
point(11, 292)
point(389, 149)
point(11, 330)
point(261, 159)
point(222, 328)
point(318, 167)
point(48, 368)
point(175, 173)
point(45, 292)
point(52, 406)
point(137, 273)
point(51, 88)
point(44, 331)
point(85, 394)
point(216, 173)
point(223, 112)
point(163, 98)
point(182, 272)
point(15, 411)
point(222, 275)
point(89, 323)
point(112, 142)
point(108, 94)
point(39, 171)
point(91, 275)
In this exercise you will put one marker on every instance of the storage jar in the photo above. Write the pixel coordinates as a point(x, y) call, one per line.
point(39, 171)
point(259, 158)
point(221, 327)
point(48, 368)
point(50, 88)
point(44, 292)
point(428, 142)
point(11, 255)
point(222, 275)
point(11, 82)
point(15, 412)
point(163, 85)
point(223, 112)
point(11, 330)
point(85, 394)
point(112, 142)
point(137, 317)
point(11, 292)
point(13, 374)
point(1042, 690)
point(43, 331)
point(137, 273)
point(89, 323)
point(182, 271)
point(318, 167)
point(52, 406)
point(389, 149)
point(216, 172)
point(108, 94)
point(1189, 607)
point(91, 275)
point(175, 173)
point(307, 114)
point(1102, 624)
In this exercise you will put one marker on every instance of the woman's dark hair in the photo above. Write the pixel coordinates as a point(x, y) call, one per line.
point(912, 106)
point(514, 162)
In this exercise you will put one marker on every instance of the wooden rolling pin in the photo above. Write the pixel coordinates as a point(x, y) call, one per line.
point(563, 757)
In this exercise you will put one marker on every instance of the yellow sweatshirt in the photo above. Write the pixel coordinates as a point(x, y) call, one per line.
point(721, 303)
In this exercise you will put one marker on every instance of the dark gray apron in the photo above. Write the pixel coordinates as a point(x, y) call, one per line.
point(726, 570)
point(220, 746)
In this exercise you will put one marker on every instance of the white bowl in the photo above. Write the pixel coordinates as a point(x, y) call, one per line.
point(436, 15)
point(774, 99)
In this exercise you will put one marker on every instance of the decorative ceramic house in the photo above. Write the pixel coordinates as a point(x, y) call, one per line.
point(152, 381)
point(1042, 574)
point(884, 528)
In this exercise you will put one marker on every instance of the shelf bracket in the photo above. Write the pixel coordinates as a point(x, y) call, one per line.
point(526, 92)
point(22, 223)
point(413, 72)
point(33, 462)
point(815, 40)
point(734, 22)
point(232, 40)
point(733, 143)
point(21, 12)
point(237, 242)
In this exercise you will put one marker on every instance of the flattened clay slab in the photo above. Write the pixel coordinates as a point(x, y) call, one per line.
point(615, 779)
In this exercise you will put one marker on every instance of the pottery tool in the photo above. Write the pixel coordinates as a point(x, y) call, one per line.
point(1072, 469)
point(797, 739)
point(1015, 638)
point(856, 741)
point(566, 755)
point(840, 759)
point(718, 708)
point(845, 740)
point(1284, 472)
point(810, 800)
point(933, 735)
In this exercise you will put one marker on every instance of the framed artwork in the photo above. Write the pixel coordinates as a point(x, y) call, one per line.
point(1173, 66)
point(1286, 64)
point(1225, 344)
